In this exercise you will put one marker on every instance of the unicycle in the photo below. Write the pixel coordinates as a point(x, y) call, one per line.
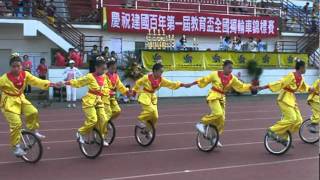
point(277, 145)
point(145, 135)
point(31, 144)
point(111, 133)
point(93, 144)
point(207, 141)
point(309, 133)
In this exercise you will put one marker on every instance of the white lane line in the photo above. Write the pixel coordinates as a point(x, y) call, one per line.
point(160, 124)
point(199, 115)
point(158, 135)
point(171, 123)
point(267, 163)
point(137, 152)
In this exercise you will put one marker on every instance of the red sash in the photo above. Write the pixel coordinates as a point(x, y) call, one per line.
point(149, 91)
point(18, 82)
point(155, 83)
point(96, 92)
point(217, 90)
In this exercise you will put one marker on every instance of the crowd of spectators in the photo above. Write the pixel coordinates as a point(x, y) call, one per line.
point(28, 8)
point(94, 53)
point(236, 44)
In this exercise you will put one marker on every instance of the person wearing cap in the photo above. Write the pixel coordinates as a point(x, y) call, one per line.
point(314, 102)
point(291, 117)
point(115, 85)
point(222, 81)
point(92, 104)
point(70, 73)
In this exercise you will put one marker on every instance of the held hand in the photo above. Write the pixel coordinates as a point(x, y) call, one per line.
point(255, 88)
point(262, 87)
point(59, 84)
point(186, 85)
point(132, 93)
point(311, 90)
point(129, 93)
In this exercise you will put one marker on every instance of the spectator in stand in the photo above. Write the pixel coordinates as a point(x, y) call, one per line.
point(3, 9)
point(40, 6)
point(244, 5)
point(94, 54)
point(70, 73)
point(20, 9)
point(183, 41)
point(251, 45)
point(75, 55)
point(114, 55)
point(237, 44)
point(261, 46)
point(42, 69)
point(234, 3)
point(60, 60)
point(27, 66)
point(51, 10)
point(306, 11)
point(106, 52)
point(226, 43)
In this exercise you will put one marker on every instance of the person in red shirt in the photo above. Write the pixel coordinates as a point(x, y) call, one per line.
point(42, 69)
point(60, 60)
point(78, 58)
point(72, 55)
point(27, 66)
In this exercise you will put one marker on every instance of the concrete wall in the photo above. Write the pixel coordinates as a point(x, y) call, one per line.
point(269, 75)
point(12, 38)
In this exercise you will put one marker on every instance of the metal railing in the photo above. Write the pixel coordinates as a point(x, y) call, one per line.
point(286, 46)
point(225, 7)
point(56, 23)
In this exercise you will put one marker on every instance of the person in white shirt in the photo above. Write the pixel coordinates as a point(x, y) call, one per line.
point(69, 73)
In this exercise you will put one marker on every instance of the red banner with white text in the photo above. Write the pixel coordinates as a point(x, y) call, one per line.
point(141, 21)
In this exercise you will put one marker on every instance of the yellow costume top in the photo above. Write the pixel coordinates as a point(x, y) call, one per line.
point(314, 97)
point(12, 88)
point(114, 85)
point(287, 86)
point(221, 84)
point(95, 84)
point(147, 86)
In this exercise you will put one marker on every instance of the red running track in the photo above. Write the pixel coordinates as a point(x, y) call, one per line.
point(173, 154)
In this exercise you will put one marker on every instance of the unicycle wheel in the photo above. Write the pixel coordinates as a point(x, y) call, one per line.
point(308, 135)
point(111, 133)
point(277, 146)
point(208, 141)
point(145, 136)
point(92, 147)
point(31, 144)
